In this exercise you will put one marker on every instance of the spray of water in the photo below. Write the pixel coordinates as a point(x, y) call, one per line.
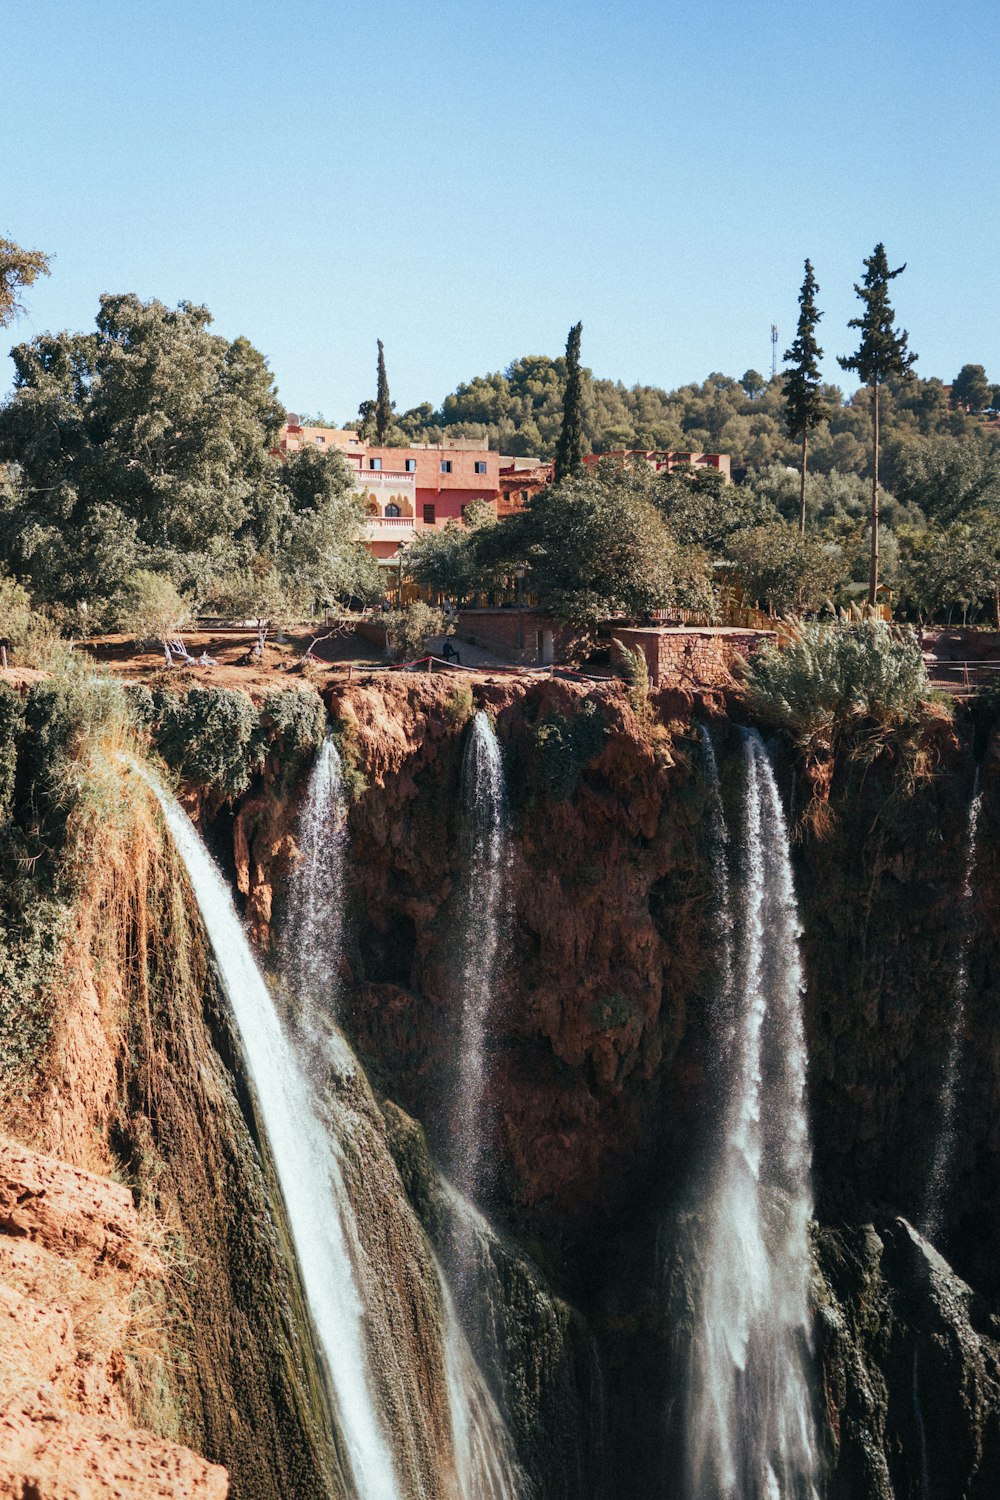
point(306, 1161)
point(484, 817)
point(944, 1146)
point(751, 1432)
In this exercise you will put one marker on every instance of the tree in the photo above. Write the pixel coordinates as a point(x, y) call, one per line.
point(954, 564)
point(144, 444)
point(754, 383)
point(409, 632)
point(154, 610)
point(18, 269)
point(703, 510)
point(595, 545)
point(805, 407)
point(971, 389)
point(787, 570)
point(882, 352)
point(950, 478)
point(569, 450)
point(375, 417)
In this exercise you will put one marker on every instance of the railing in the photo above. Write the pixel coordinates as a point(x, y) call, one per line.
point(961, 677)
point(389, 526)
point(385, 476)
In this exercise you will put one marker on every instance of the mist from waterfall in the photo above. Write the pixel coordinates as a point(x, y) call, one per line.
point(306, 1161)
point(480, 923)
point(944, 1146)
point(750, 1407)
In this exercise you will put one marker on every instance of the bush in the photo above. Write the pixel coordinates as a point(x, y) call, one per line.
point(206, 736)
point(291, 727)
point(861, 681)
point(410, 631)
point(458, 706)
point(34, 639)
point(565, 746)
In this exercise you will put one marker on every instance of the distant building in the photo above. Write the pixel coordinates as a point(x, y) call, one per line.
point(665, 461)
point(520, 479)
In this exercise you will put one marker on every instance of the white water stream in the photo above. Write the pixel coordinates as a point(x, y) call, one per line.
point(751, 1430)
point(306, 1161)
point(484, 812)
point(944, 1146)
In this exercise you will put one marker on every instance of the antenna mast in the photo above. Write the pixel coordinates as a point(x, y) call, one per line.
point(774, 350)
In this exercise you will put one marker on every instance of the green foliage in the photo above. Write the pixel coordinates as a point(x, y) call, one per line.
point(410, 631)
point(882, 350)
point(11, 729)
point(153, 609)
point(290, 729)
point(958, 565)
point(564, 746)
point(949, 479)
point(209, 737)
point(805, 406)
point(459, 706)
point(860, 681)
point(33, 637)
point(635, 670)
point(789, 572)
point(704, 511)
point(375, 417)
point(971, 388)
point(19, 268)
point(570, 447)
point(610, 1011)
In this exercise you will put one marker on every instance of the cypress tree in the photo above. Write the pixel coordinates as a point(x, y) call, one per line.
point(384, 408)
point(804, 406)
point(569, 449)
point(881, 352)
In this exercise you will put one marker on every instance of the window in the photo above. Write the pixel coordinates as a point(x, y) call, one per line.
point(319, 440)
point(428, 515)
point(392, 510)
point(410, 466)
point(374, 463)
point(446, 466)
point(480, 466)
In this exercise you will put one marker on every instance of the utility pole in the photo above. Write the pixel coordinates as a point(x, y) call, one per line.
point(774, 350)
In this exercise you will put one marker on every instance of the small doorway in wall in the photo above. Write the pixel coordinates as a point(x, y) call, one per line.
point(543, 646)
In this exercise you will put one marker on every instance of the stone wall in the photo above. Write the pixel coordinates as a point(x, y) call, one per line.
point(528, 637)
point(692, 656)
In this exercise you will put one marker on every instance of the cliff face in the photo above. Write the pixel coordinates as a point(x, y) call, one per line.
point(599, 1037)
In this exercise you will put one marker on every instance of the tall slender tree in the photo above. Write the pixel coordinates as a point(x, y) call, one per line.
point(804, 405)
point(569, 449)
point(375, 417)
point(882, 352)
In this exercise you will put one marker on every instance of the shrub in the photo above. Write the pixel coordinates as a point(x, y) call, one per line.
point(34, 639)
point(206, 735)
point(11, 728)
point(564, 746)
point(410, 631)
point(291, 727)
point(635, 669)
point(860, 681)
point(458, 706)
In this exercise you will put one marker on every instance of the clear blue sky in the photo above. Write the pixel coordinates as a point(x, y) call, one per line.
point(466, 179)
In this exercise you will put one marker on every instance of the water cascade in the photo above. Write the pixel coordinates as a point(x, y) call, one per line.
point(306, 1160)
point(480, 924)
point(944, 1146)
point(313, 931)
point(750, 1422)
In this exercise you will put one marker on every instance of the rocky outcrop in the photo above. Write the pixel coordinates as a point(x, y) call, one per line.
point(74, 1257)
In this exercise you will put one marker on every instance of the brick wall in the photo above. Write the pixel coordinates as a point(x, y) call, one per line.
point(515, 634)
point(692, 657)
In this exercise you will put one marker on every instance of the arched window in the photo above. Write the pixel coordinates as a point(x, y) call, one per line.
point(392, 510)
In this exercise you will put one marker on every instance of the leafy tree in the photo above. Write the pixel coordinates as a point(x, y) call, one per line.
point(703, 510)
point(18, 269)
point(790, 572)
point(753, 383)
point(570, 448)
point(805, 407)
point(956, 564)
point(595, 545)
point(409, 632)
point(143, 444)
point(375, 417)
point(881, 353)
point(950, 478)
point(154, 610)
point(971, 389)
point(32, 638)
point(262, 593)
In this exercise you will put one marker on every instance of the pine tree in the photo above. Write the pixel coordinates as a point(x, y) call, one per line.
point(882, 352)
point(804, 406)
point(569, 449)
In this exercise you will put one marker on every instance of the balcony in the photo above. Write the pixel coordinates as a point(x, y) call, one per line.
point(372, 478)
point(389, 528)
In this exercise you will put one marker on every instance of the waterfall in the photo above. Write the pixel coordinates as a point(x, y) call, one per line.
point(751, 1433)
point(313, 931)
point(944, 1146)
point(484, 821)
point(722, 911)
point(306, 1161)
